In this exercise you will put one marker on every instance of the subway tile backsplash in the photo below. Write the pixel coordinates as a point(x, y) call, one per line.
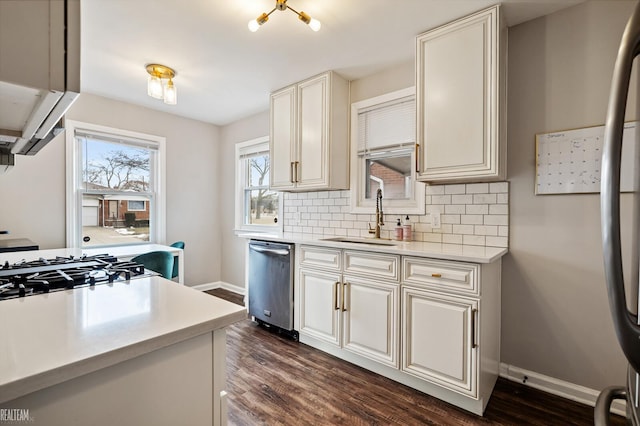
point(475, 214)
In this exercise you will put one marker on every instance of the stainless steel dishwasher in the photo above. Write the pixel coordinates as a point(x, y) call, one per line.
point(271, 285)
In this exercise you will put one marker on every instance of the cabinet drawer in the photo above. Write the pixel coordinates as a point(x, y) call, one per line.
point(320, 257)
point(452, 277)
point(372, 264)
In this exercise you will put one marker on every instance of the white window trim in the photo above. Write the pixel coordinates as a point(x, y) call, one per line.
point(358, 203)
point(74, 202)
point(240, 226)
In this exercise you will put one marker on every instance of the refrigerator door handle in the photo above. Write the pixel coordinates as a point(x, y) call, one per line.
point(625, 322)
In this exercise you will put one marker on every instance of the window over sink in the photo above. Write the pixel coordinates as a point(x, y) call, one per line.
point(257, 207)
point(115, 186)
point(383, 139)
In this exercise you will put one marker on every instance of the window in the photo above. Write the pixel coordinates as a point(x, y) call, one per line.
point(383, 154)
point(115, 185)
point(257, 207)
point(137, 205)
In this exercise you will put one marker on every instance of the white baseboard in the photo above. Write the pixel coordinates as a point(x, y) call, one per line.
point(219, 284)
point(558, 387)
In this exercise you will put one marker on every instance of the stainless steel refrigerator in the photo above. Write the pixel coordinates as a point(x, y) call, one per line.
point(622, 303)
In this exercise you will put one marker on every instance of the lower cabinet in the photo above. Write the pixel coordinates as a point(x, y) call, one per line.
point(370, 326)
point(430, 324)
point(439, 339)
point(319, 298)
point(351, 311)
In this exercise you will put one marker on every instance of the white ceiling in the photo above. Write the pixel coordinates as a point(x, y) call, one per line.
point(226, 73)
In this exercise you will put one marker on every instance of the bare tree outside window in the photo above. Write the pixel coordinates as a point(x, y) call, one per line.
point(120, 169)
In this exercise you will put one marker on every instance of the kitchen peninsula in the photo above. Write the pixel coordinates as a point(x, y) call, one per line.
point(144, 351)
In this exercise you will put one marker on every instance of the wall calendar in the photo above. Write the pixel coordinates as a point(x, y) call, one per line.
point(569, 161)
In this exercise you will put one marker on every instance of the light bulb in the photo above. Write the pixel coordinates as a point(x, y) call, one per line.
point(253, 25)
point(315, 25)
point(154, 87)
point(170, 94)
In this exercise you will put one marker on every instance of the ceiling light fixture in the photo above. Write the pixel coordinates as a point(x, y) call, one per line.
point(160, 84)
point(254, 24)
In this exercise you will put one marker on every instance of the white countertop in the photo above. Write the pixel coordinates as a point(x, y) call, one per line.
point(126, 251)
point(47, 339)
point(465, 253)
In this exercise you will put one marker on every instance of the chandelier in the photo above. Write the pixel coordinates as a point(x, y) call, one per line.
point(282, 5)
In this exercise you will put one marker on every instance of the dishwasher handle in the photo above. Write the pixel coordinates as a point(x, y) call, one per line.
point(261, 249)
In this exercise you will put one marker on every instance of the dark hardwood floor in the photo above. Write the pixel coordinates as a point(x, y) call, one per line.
point(275, 381)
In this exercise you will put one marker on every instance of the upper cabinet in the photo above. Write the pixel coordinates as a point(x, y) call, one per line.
point(40, 44)
point(308, 142)
point(460, 95)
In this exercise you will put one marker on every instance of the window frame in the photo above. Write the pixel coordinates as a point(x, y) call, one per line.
point(74, 196)
point(358, 202)
point(248, 147)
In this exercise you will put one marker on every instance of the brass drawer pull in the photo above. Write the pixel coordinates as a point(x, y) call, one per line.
point(436, 275)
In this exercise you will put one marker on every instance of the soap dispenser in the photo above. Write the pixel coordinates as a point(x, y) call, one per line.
point(399, 231)
point(406, 229)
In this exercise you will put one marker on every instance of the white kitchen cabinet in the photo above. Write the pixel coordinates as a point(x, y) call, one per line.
point(320, 295)
point(38, 48)
point(451, 325)
point(350, 311)
point(370, 325)
point(460, 95)
point(439, 339)
point(308, 142)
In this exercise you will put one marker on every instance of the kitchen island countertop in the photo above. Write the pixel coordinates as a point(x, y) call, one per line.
point(50, 338)
point(459, 252)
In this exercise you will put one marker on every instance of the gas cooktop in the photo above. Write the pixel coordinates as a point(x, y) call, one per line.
point(26, 278)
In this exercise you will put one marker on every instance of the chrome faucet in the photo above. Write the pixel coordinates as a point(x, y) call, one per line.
point(379, 215)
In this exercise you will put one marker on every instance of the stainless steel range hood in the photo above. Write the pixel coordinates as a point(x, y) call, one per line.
point(39, 72)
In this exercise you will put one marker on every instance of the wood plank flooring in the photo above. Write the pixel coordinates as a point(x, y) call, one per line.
point(272, 380)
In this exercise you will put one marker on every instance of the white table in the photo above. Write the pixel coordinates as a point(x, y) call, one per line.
point(121, 252)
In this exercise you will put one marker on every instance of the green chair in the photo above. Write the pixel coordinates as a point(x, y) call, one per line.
point(157, 261)
point(180, 245)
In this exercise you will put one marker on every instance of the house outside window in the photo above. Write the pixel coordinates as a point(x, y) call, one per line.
point(257, 207)
point(115, 186)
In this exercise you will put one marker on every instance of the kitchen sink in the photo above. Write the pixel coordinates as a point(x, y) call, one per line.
point(376, 241)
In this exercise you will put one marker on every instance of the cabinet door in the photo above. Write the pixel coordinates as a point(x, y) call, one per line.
point(282, 139)
point(313, 108)
point(457, 100)
point(439, 339)
point(370, 319)
point(320, 301)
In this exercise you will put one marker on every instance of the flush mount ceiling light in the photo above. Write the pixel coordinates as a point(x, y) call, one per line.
point(254, 24)
point(160, 84)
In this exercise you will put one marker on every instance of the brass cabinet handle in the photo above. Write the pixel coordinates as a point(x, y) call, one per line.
point(344, 286)
point(417, 153)
point(291, 172)
point(297, 171)
point(336, 296)
point(436, 275)
point(474, 323)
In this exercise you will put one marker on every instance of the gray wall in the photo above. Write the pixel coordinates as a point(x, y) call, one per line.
point(233, 248)
point(555, 314)
point(33, 192)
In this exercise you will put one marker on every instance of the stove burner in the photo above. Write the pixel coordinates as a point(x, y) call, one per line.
point(27, 278)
